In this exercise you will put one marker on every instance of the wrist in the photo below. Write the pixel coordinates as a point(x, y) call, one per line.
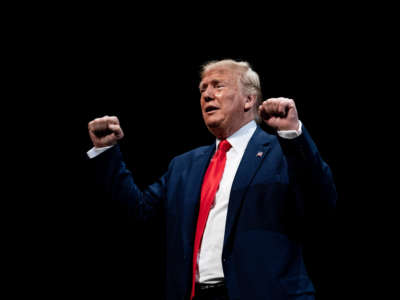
point(291, 133)
point(291, 126)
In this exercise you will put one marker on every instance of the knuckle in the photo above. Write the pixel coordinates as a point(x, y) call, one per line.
point(92, 124)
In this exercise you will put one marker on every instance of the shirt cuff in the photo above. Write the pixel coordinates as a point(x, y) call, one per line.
point(95, 151)
point(290, 134)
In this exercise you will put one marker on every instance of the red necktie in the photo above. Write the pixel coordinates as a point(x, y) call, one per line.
point(208, 190)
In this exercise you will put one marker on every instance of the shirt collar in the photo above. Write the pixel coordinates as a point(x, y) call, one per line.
point(241, 138)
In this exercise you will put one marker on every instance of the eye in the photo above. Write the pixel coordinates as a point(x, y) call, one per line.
point(202, 88)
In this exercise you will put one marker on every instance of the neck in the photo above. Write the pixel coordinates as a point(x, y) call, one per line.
point(223, 133)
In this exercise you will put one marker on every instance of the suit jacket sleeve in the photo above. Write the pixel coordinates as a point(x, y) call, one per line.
point(112, 177)
point(311, 179)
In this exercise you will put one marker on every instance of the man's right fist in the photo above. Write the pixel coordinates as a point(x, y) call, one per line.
point(105, 131)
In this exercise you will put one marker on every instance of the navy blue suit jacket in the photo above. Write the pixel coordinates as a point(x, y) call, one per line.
point(273, 196)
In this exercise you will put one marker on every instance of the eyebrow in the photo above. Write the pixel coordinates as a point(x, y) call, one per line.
point(214, 81)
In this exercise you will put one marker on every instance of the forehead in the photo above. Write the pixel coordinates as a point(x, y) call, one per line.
point(219, 75)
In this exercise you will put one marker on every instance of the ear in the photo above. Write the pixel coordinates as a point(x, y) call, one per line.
point(250, 102)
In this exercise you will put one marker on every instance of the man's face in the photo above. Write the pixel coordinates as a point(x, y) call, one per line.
point(222, 100)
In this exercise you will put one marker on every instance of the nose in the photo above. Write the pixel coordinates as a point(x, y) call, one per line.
point(208, 95)
point(207, 99)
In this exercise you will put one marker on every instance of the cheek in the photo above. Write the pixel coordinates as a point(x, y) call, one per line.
point(232, 104)
point(219, 94)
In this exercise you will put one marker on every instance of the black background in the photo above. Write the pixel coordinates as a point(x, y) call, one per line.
point(147, 74)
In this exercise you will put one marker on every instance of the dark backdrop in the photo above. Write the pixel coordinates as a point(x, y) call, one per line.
point(66, 64)
point(151, 83)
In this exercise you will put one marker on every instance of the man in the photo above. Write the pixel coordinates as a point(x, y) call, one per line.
point(235, 211)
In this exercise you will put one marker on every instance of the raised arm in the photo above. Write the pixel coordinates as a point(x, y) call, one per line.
point(115, 179)
point(309, 174)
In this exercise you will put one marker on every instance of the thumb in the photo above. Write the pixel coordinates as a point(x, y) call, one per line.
point(116, 129)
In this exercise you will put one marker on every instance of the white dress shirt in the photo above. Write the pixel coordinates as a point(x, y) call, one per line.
point(209, 261)
point(209, 258)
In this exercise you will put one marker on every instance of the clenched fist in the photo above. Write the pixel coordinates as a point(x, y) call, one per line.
point(279, 113)
point(105, 131)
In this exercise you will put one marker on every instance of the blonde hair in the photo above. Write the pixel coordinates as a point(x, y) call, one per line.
point(247, 77)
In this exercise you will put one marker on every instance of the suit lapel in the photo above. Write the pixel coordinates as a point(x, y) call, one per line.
point(252, 159)
point(192, 198)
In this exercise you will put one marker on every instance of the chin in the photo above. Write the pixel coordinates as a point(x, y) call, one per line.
point(213, 123)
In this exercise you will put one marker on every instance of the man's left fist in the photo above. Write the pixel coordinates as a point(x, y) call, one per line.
point(279, 113)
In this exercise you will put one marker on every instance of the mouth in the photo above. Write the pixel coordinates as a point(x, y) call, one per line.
point(210, 109)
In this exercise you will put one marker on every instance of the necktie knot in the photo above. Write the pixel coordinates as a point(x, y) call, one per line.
point(224, 146)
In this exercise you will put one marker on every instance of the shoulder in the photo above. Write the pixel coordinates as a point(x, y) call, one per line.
point(264, 136)
point(191, 159)
point(194, 154)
